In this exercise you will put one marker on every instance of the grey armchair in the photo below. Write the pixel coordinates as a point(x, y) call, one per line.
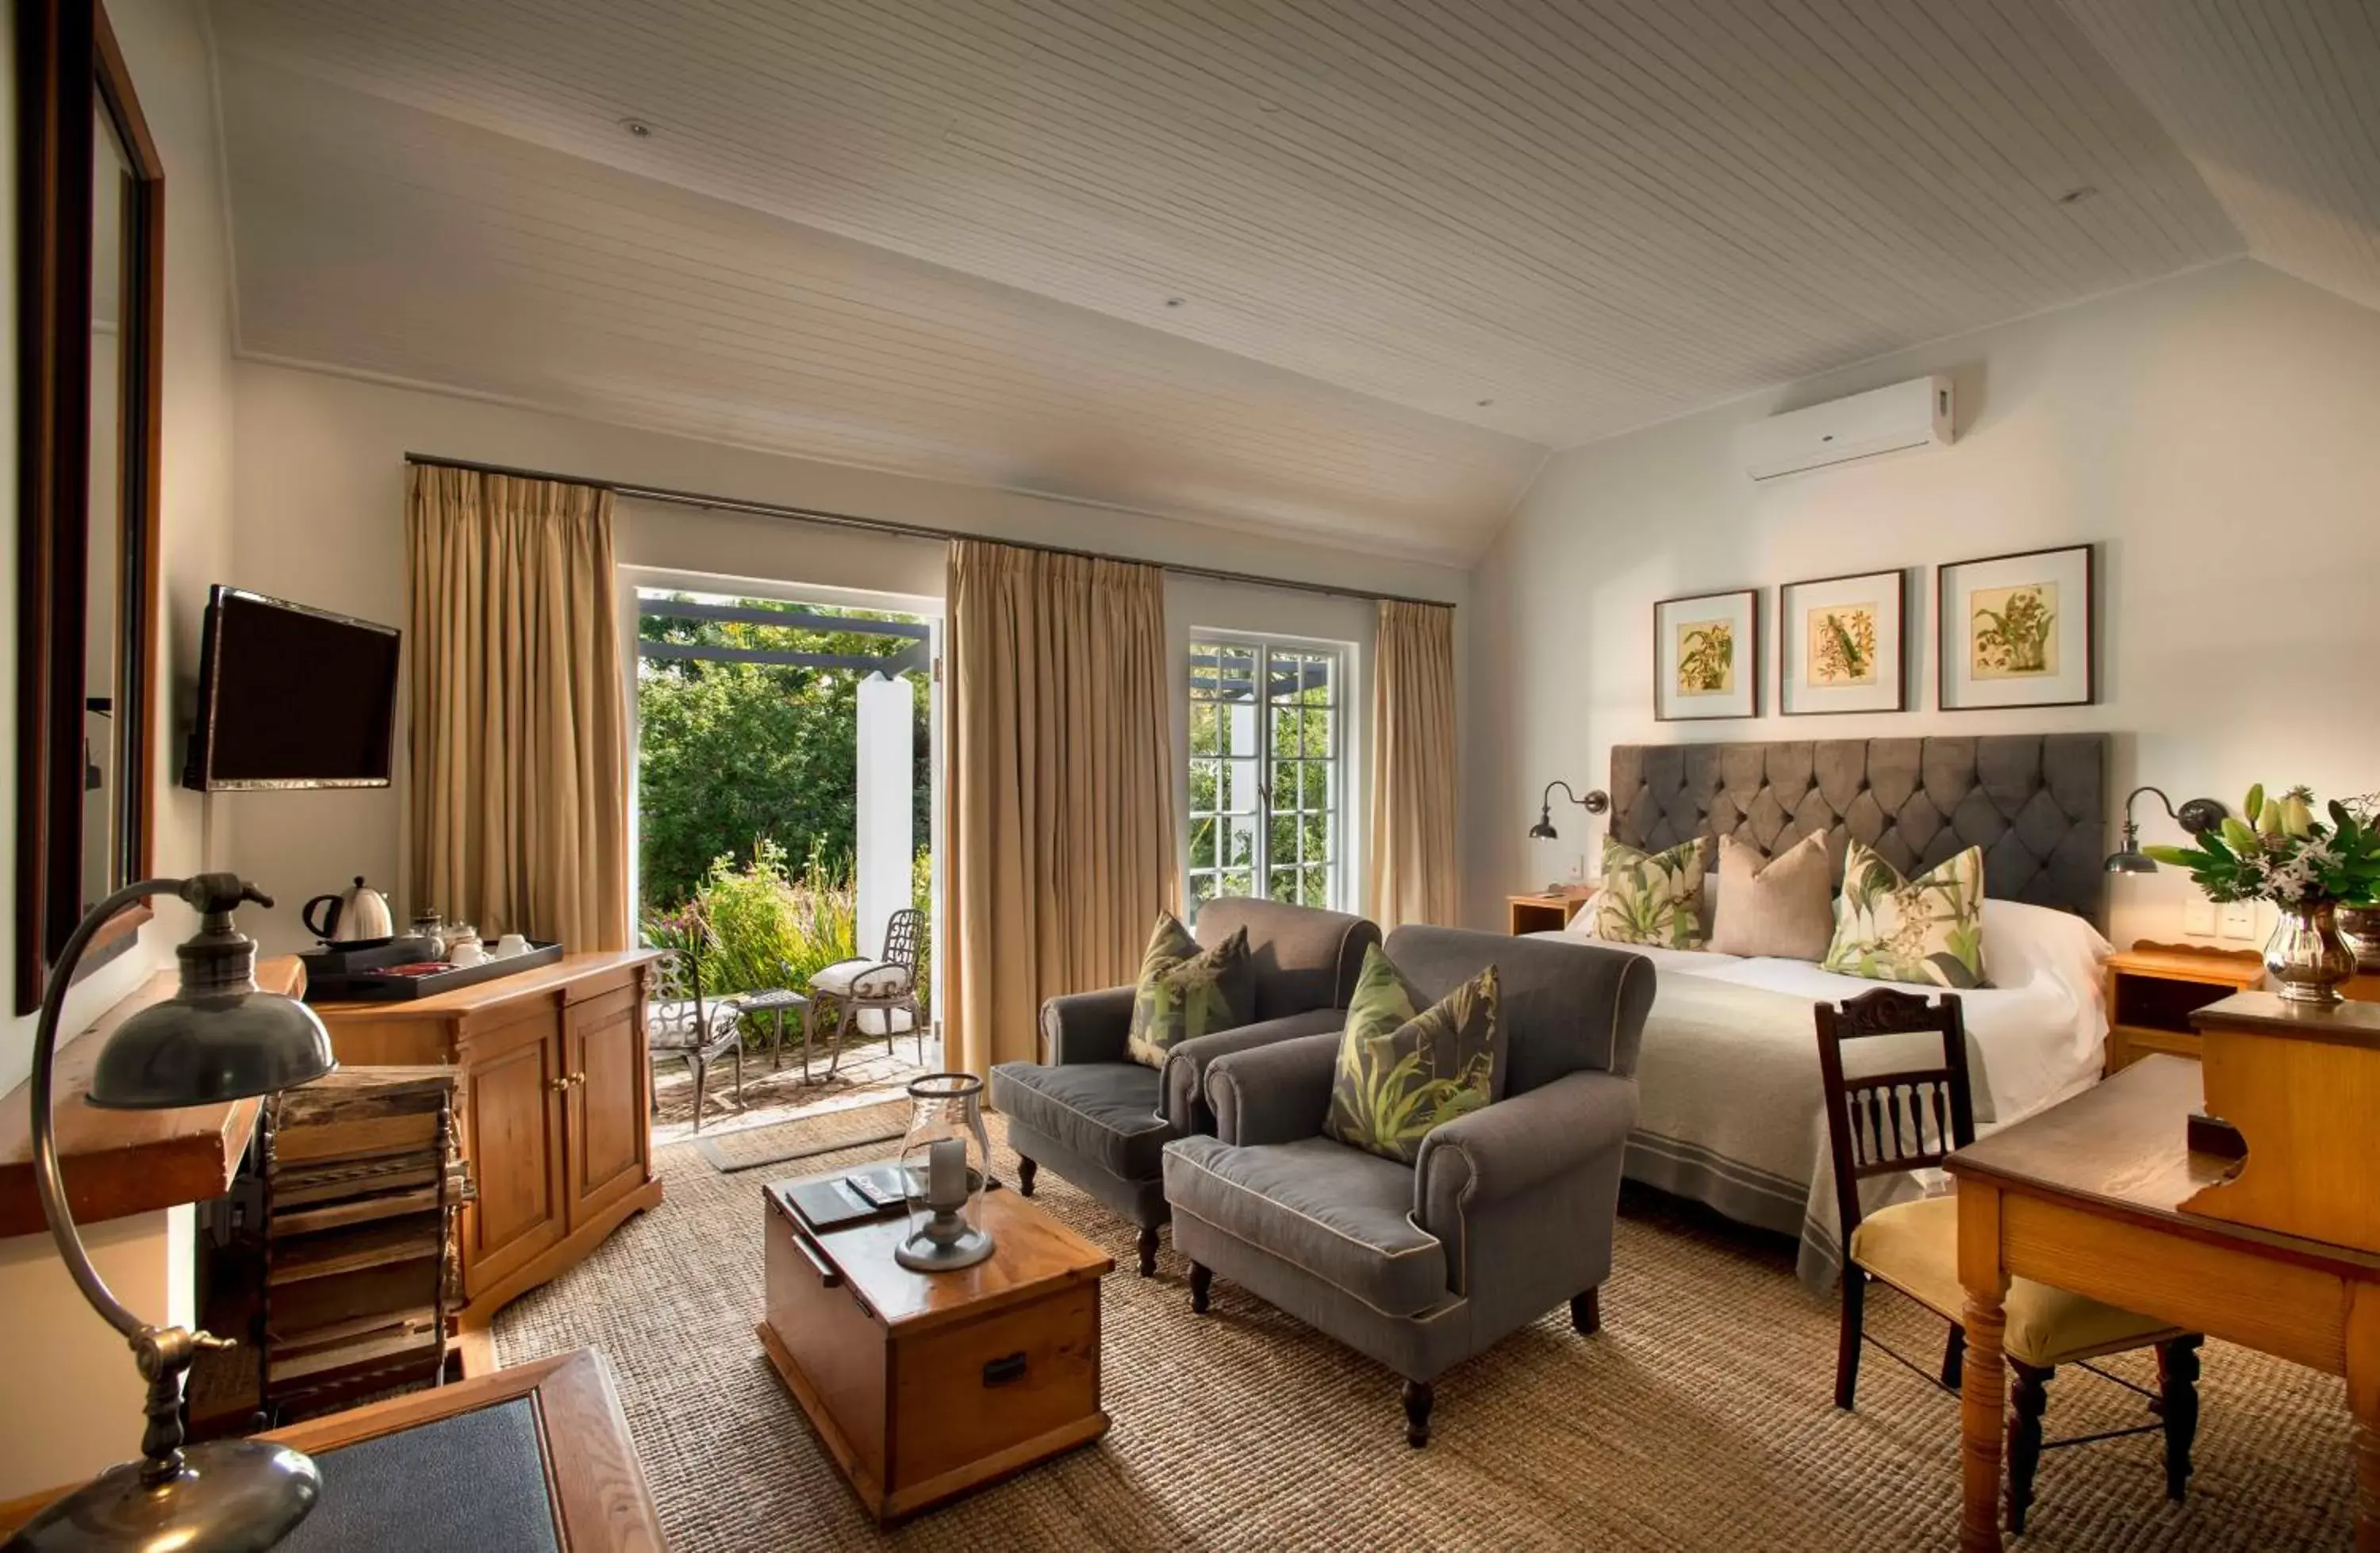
point(1101, 1119)
point(1506, 1213)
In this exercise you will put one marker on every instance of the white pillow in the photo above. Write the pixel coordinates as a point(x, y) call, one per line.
point(1582, 921)
point(2024, 944)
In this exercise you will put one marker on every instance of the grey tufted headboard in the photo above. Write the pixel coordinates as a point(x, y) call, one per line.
point(2036, 803)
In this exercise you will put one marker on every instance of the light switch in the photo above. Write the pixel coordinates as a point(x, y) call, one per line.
point(2239, 919)
point(1578, 867)
point(2198, 917)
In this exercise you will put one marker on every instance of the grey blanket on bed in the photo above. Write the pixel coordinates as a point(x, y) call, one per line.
point(1732, 1111)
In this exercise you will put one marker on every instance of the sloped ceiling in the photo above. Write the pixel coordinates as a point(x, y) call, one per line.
point(2277, 101)
point(1348, 267)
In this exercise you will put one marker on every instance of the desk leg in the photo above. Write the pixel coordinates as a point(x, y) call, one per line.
point(1983, 1391)
point(2363, 1404)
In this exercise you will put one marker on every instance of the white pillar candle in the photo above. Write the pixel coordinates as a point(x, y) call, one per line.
point(946, 1174)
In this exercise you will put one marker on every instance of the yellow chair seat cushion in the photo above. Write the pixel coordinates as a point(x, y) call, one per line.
point(1915, 1247)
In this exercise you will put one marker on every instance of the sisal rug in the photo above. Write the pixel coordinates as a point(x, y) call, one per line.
point(806, 1136)
point(1702, 1418)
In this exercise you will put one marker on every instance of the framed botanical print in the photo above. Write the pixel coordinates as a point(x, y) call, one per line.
point(1838, 644)
point(1706, 656)
point(2016, 631)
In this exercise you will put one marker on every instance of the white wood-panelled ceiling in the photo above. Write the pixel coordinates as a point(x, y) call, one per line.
point(1347, 267)
point(2277, 101)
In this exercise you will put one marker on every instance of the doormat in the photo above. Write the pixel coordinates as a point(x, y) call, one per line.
point(887, 1122)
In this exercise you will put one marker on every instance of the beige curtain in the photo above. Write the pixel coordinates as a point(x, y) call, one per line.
point(519, 782)
point(1061, 824)
point(1413, 767)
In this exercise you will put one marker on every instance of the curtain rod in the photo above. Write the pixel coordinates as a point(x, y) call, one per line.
point(906, 530)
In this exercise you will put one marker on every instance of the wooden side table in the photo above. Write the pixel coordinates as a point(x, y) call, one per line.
point(1547, 911)
point(924, 1386)
point(2153, 989)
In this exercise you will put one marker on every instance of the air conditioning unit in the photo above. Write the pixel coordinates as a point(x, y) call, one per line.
point(1907, 415)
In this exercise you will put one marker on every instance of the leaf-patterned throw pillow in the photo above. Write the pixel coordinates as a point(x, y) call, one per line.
point(1402, 1073)
point(1652, 898)
point(1186, 992)
point(1928, 931)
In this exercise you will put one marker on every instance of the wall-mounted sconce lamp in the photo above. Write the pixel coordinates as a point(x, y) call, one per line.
point(2197, 816)
point(1595, 802)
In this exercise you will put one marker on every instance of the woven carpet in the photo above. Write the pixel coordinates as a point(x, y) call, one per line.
point(806, 1137)
point(1700, 1418)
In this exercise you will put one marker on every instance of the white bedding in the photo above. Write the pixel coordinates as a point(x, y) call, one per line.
point(1727, 1075)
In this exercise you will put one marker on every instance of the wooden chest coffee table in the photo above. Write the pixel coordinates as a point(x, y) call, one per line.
point(925, 1386)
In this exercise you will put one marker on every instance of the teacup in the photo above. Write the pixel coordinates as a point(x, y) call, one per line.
point(510, 945)
point(468, 953)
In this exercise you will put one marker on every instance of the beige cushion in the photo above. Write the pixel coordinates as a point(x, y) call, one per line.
point(1915, 1247)
point(1785, 907)
point(861, 978)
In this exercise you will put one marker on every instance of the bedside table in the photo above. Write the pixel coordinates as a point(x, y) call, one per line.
point(1546, 911)
point(2153, 989)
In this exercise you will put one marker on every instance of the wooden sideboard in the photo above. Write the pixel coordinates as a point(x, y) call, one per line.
point(556, 1087)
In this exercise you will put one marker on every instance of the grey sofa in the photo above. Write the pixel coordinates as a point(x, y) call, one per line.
point(1507, 1212)
point(1101, 1119)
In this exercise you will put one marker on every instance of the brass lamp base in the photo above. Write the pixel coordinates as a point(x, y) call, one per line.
point(232, 1496)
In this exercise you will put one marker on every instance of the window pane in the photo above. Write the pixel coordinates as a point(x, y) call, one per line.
point(1240, 792)
point(1285, 784)
point(1236, 730)
point(1240, 841)
point(1315, 889)
point(1316, 834)
point(1237, 882)
point(1284, 731)
point(1203, 887)
point(1202, 843)
point(1202, 729)
point(1204, 777)
point(1223, 672)
point(1317, 778)
point(1284, 836)
point(1317, 732)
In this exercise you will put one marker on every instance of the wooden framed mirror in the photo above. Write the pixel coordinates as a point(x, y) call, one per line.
point(89, 320)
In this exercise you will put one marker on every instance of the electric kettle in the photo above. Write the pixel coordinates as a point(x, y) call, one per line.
point(360, 914)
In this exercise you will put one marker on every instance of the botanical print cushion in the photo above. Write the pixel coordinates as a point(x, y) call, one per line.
point(1402, 1073)
point(1927, 929)
point(1654, 898)
point(1186, 992)
point(1783, 908)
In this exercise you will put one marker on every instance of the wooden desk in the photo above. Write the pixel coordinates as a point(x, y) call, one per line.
point(2086, 1196)
point(594, 1485)
point(120, 1162)
point(556, 1083)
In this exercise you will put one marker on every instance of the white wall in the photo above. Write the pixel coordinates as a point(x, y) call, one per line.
point(320, 483)
point(2217, 432)
point(69, 1400)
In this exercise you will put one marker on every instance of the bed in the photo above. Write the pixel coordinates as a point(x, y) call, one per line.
point(1731, 1114)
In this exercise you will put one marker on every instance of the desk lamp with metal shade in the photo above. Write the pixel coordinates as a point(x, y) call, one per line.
point(219, 1039)
point(2198, 815)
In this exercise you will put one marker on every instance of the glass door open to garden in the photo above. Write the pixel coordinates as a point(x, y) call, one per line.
point(785, 823)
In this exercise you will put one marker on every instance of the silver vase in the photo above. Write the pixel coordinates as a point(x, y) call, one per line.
point(2359, 926)
point(2306, 957)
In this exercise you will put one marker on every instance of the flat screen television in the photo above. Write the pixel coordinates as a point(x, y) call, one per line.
point(291, 697)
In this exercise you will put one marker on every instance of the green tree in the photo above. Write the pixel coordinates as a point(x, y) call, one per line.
point(735, 755)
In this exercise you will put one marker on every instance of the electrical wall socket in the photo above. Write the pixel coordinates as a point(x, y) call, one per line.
point(2239, 919)
point(2198, 917)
